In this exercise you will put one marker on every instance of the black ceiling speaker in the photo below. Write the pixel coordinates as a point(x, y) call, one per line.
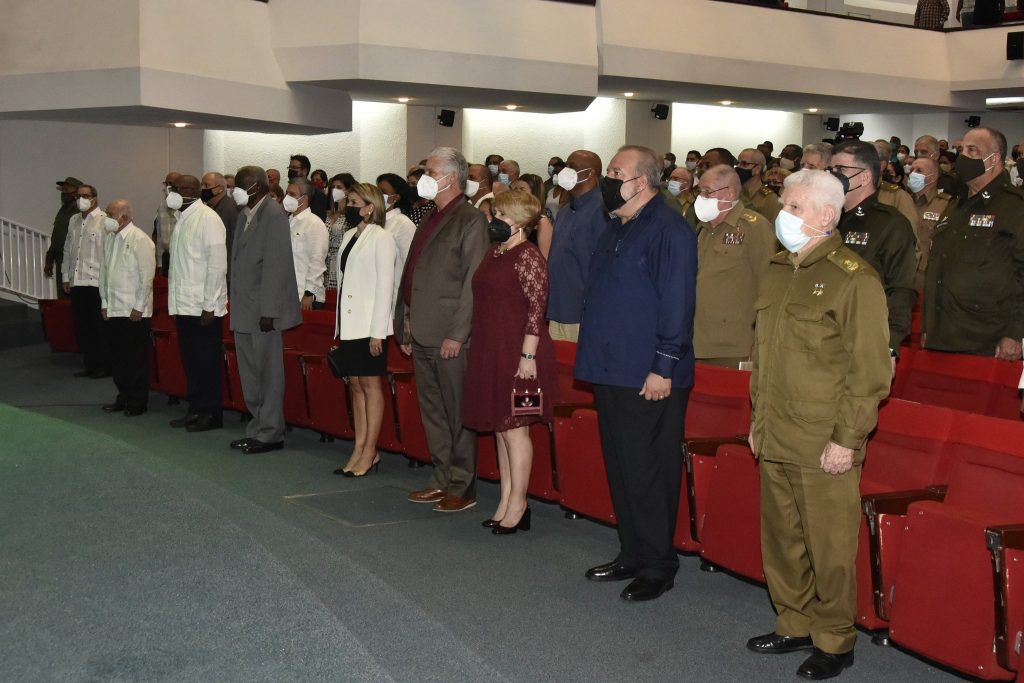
point(973, 121)
point(446, 118)
point(1015, 45)
point(832, 124)
point(660, 111)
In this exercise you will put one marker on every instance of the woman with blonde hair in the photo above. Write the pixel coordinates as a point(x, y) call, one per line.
point(363, 318)
point(512, 356)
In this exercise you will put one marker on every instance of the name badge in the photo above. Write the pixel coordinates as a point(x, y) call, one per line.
point(733, 238)
point(857, 238)
point(981, 220)
point(931, 216)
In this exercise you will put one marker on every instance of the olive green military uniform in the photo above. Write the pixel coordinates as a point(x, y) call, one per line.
point(764, 201)
point(59, 235)
point(732, 257)
point(685, 201)
point(672, 203)
point(931, 204)
point(974, 284)
point(895, 196)
point(885, 239)
point(822, 365)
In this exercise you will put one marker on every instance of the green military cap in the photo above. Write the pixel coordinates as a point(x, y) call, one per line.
point(70, 180)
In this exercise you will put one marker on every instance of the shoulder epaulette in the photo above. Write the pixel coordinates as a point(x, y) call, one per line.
point(749, 216)
point(765, 191)
point(1014, 190)
point(847, 261)
point(888, 187)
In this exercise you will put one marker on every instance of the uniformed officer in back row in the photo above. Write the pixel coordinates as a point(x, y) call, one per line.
point(930, 202)
point(889, 192)
point(878, 233)
point(734, 246)
point(821, 368)
point(756, 195)
point(974, 284)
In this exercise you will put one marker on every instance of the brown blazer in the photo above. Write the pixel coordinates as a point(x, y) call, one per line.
point(442, 284)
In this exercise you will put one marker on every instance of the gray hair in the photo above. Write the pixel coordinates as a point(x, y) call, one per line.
point(930, 142)
point(648, 164)
point(821, 148)
point(452, 161)
point(727, 175)
point(758, 157)
point(884, 150)
point(304, 187)
point(823, 190)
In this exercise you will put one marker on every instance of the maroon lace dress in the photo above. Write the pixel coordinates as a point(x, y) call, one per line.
point(510, 296)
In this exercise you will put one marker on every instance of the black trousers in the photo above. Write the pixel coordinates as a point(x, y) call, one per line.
point(130, 345)
point(641, 443)
point(202, 356)
point(90, 328)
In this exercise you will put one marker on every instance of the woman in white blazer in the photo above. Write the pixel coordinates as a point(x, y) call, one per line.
point(363, 318)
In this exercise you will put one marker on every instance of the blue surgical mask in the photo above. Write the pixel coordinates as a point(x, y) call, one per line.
point(493, 169)
point(551, 171)
point(503, 178)
point(789, 230)
point(674, 187)
point(916, 181)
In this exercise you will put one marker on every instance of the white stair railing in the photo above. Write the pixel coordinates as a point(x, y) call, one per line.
point(22, 257)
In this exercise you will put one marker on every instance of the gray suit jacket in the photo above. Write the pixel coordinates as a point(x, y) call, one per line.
point(442, 285)
point(262, 273)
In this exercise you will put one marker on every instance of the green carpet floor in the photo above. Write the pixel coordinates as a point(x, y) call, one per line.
point(130, 551)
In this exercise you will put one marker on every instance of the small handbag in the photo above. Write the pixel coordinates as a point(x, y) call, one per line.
point(334, 362)
point(527, 401)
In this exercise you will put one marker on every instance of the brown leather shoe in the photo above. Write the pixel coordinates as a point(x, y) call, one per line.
point(427, 495)
point(452, 503)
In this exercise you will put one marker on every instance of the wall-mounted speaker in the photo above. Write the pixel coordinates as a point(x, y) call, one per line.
point(1015, 45)
point(446, 118)
point(832, 124)
point(660, 111)
point(973, 121)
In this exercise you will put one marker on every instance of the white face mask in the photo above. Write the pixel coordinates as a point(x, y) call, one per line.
point(691, 166)
point(173, 201)
point(338, 195)
point(569, 178)
point(787, 164)
point(901, 157)
point(387, 201)
point(110, 225)
point(916, 181)
point(675, 188)
point(551, 170)
point(472, 187)
point(707, 209)
point(84, 204)
point(240, 195)
point(289, 203)
point(789, 230)
point(426, 187)
point(906, 169)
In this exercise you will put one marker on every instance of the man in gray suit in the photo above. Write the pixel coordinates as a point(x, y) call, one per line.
point(433, 316)
point(263, 304)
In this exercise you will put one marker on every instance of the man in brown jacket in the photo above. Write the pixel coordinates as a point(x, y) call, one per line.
point(433, 316)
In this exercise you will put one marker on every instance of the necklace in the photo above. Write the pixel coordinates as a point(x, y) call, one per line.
point(501, 249)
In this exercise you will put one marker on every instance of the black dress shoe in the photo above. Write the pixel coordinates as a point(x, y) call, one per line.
point(490, 523)
point(822, 665)
point(205, 424)
point(113, 408)
point(134, 412)
point(262, 446)
point(643, 588)
point(611, 571)
point(774, 644)
point(242, 443)
point(185, 421)
point(523, 525)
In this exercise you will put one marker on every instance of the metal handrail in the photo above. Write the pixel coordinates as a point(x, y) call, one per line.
point(22, 258)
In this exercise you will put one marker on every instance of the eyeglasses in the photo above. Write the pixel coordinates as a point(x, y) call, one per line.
point(843, 169)
point(86, 196)
point(707, 193)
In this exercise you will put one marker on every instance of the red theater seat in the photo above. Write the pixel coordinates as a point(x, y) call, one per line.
point(297, 402)
point(1006, 546)
point(542, 472)
point(969, 383)
point(328, 395)
point(414, 438)
point(58, 325)
point(169, 377)
point(582, 482)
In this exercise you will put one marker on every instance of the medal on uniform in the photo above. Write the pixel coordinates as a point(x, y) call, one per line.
point(859, 212)
point(819, 288)
point(857, 238)
point(931, 216)
point(982, 220)
point(733, 238)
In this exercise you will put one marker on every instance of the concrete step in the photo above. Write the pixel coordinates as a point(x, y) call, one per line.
point(13, 310)
point(19, 325)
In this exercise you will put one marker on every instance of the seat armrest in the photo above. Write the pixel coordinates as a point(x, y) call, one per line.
point(897, 502)
point(565, 410)
point(708, 447)
point(999, 539)
point(1005, 537)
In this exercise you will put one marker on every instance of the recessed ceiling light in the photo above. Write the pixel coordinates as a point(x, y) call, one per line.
point(629, 94)
point(813, 110)
point(403, 100)
point(725, 103)
point(1003, 100)
point(511, 107)
point(179, 124)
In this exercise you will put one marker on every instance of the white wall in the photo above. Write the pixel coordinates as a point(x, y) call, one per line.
point(127, 162)
point(949, 126)
point(700, 127)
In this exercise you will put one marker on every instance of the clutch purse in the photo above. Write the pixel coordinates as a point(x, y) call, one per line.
point(334, 362)
point(527, 401)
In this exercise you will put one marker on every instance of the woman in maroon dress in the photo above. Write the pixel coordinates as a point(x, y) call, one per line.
point(511, 351)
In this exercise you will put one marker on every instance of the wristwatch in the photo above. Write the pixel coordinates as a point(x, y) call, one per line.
point(528, 356)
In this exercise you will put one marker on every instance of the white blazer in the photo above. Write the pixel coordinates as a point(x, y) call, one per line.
point(366, 291)
point(126, 276)
point(199, 263)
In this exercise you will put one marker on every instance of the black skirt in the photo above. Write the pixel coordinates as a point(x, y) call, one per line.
point(356, 360)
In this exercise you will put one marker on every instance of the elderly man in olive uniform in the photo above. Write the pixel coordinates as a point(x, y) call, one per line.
point(974, 285)
point(928, 146)
point(890, 193)
point(751, 167)
point(734, 246)
point(683, 192)
point(931, 203)
point(822, 366)
point(878, 233)
point(817, 156)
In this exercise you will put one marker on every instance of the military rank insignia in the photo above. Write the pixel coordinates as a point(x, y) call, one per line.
point(931, 216)
point(733, 238)
point(857, 238)
point(819, 289)
point(981, 220)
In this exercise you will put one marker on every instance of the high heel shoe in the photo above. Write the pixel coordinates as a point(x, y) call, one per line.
point(374, 467)
point(489, 523)
point(524, 525)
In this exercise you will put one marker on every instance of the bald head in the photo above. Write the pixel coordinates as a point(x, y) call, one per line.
point(188, 186)
point(171, 178)
point(214, 179)
point(725, 176)
point(120, 209)
point(682, 176)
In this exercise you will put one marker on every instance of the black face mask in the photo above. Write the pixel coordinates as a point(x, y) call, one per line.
point(292, 174)
point(968, 169)
point(888, 177)
point(1020, 167)
point(777, 189)
point(499, 231)
point(611, 193)
point(745, 174)
point(206, 194)
point(843, 179)
point(352, 216)
point(66, 197)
